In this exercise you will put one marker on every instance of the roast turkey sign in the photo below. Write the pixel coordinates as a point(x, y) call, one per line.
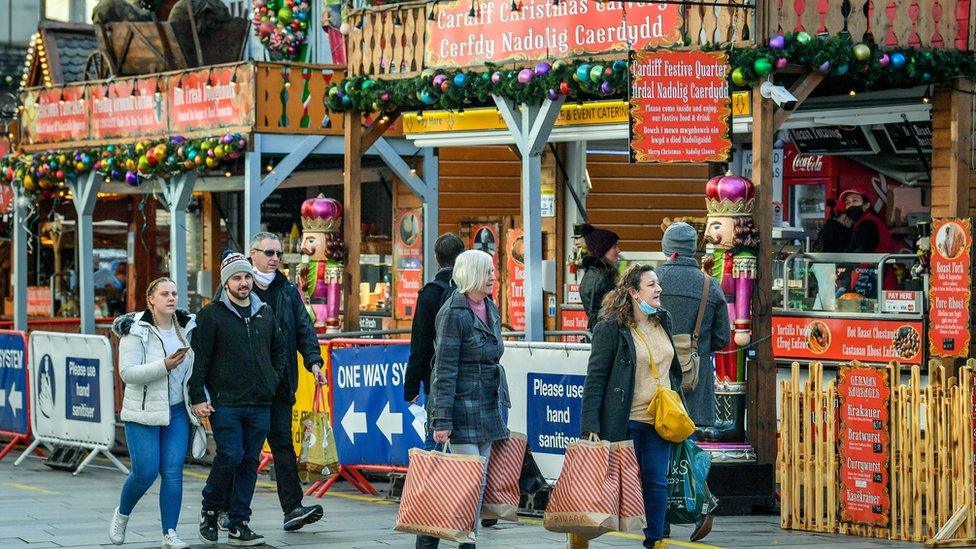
point(464, 34)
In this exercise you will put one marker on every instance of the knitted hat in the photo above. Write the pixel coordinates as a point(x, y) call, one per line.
point(598, 241)
point(233, 263)
point(681, 239)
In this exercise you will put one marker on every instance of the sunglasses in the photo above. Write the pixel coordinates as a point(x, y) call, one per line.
point(270, 253)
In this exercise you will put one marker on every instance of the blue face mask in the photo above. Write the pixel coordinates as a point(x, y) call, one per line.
point(645, 308)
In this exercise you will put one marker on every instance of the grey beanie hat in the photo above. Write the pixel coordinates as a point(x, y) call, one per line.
point(680, 238)
point(234, 263)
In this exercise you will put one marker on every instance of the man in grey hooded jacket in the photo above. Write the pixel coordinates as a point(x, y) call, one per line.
point(681, 284)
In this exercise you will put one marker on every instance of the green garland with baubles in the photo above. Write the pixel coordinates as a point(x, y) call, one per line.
point(861, 66)
point(131, 163)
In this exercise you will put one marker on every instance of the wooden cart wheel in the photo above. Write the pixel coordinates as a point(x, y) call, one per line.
point(97, 66)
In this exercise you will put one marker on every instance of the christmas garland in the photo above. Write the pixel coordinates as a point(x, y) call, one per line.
point(132, 163)
point(863, 66)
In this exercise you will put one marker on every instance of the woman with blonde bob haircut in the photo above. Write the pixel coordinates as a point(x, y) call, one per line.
point(469, 386)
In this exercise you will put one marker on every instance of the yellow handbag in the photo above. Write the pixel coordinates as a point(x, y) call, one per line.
point(671, 420)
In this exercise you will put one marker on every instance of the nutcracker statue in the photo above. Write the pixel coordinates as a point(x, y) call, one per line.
point(320, 276)
point(732, 242)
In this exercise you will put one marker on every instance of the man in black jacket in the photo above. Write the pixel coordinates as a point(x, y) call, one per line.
point(422, 333)
point(272, 287)
point(239, 361)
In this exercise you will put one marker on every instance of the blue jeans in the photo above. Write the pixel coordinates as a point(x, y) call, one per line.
point(157, 451)
point(239, 432)
point(653, 454)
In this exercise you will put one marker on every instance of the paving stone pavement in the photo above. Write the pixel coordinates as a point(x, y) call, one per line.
point(41, 508)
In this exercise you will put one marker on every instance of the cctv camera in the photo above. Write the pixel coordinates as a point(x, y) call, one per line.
point(779, 94)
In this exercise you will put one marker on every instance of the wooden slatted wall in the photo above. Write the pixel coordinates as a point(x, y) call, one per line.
point(633, 199)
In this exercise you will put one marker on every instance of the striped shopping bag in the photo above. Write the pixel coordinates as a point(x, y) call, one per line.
point(440, 496)
point(586, 499)
point(502, 493)
point(631, 513)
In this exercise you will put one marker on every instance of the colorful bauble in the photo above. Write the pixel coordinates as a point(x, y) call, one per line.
point(596, 74)
point(781, 63)
point(862, 52)
point(762, 67)
point(739, 77)
point(803, 37)
point(897, 60)
point(824, 67)
point(459, 79)
point(542, 69)
point(777, 42)
point(884, 60)
point(582, 72)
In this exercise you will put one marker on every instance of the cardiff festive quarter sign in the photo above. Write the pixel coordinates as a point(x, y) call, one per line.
point(680, 106)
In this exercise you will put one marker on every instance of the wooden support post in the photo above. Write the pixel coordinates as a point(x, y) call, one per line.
point(142, 268)
point(212, 241)
point(378, 128)
point(761, 371)
point(352, 207)
point(801, 90)
point(952, 127)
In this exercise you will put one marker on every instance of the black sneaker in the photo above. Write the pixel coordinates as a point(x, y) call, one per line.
point(208, 527)
point(488, 523)
point(302, 515)
point(242, 535)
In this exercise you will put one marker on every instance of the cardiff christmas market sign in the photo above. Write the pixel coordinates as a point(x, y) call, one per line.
point(466, 34)
point(680, 106)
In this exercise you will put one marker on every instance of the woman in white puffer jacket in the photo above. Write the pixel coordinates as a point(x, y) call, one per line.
point(155, 362)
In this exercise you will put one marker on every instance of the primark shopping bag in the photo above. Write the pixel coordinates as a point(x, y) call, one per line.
point(319, 459)
point(441, 494)
point(688, 496)
point(586, 498)
point(502, 491)
point(631, 512)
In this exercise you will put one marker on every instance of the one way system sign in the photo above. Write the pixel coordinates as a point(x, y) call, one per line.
point(373, 424)
point(13, 383)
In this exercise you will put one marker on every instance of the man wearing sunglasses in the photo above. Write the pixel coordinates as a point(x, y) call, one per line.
point(273, 288)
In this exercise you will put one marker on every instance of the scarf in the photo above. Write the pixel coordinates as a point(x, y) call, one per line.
point(263, 280)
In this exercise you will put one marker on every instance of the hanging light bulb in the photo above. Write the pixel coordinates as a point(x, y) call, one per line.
point(927, 96)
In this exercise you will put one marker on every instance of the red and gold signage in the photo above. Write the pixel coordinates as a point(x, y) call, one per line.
point(127, 108)
point(841, 339)
point(516, 279)
point(865, 450)
point(949, 293)
point(55, 115)
point(680, 107)
point(220, 97)
point(408, 260)
point(573, 320)
point(542, 29)
point(193, 103)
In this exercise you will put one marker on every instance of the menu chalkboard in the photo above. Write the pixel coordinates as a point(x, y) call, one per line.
point(282, 209)
point(834, 140)
point(865, 444)
point(901, 139)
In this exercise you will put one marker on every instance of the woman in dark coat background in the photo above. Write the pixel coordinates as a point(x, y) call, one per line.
point(469, 385)
point(632, 356)
point(600, 263)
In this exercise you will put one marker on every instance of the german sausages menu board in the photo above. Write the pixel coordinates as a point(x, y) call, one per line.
point(865, 448)
point(949, 293)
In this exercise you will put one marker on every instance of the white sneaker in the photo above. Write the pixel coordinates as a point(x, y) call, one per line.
point(172, 541)
point(116, 530)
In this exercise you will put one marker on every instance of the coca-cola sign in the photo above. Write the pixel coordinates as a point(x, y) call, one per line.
point(808, 163)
